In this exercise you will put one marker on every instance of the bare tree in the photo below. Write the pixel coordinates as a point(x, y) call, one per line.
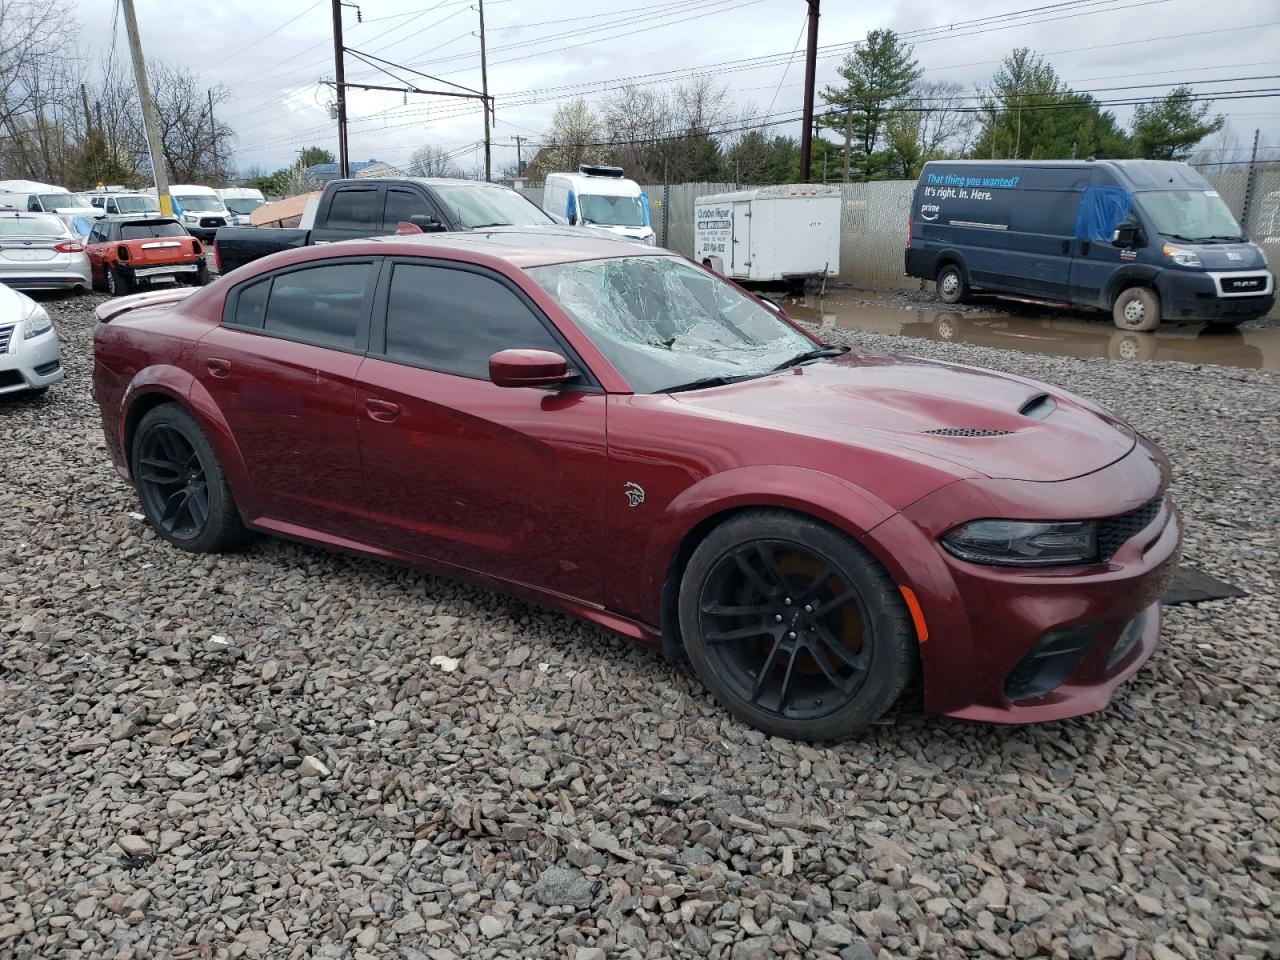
point(574, 138)
point(429, 161)
point(928, 124)
point(1220, 150)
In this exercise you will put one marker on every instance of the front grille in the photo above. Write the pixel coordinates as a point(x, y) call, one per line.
point(45, 369)
point(212, 222)
point(1254, 284)
point(5, 334)
point(1115, 532)
point(967, 432)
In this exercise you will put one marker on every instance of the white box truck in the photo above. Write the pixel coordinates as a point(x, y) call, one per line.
point(781, 234)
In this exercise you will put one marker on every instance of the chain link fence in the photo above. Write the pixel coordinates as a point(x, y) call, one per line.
point(874, 220)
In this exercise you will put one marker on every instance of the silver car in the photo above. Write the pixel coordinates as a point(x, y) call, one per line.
point(40, 252)
point(30, 359)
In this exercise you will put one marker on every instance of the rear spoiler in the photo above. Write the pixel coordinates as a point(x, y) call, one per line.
point(122, 305)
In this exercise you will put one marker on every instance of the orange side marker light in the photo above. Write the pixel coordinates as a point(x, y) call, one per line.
point(917, 615)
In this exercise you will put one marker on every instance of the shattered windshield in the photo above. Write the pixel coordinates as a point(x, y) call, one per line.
point(663, 322)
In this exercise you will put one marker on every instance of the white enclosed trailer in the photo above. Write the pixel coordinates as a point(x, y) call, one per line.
point(775, 234)
point(769, 234)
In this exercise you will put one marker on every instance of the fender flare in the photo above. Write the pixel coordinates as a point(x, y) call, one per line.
point(181, 387)
point(1144, 273)
point(949, 255)
point(697, 509)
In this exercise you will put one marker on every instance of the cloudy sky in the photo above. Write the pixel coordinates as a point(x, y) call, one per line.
point(272, 55)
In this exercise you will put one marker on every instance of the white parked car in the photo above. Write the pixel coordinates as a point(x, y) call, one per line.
point(30, 358)
point(38, 251)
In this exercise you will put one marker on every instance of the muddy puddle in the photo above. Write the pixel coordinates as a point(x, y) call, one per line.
point(1033, 331)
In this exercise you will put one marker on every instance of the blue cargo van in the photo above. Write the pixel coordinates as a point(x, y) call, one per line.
point(1147, 240)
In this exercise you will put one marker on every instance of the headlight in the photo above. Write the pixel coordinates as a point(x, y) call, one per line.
point(37, 323)
point(1022, 543)
point(190, 217)
point(1182, 256)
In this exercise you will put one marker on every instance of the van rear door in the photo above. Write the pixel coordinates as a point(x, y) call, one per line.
point(740, 263)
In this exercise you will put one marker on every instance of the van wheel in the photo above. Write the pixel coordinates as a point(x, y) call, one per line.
point(951, 285)
point(1136, 309)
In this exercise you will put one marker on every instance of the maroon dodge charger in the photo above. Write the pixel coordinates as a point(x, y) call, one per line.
point(614, 431)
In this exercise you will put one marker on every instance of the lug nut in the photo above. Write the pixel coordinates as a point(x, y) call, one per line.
point(787, 601)
point(808, 608)
point(791, 636)
point(777, 618)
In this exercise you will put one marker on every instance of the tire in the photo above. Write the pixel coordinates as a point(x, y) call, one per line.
point(806, 704)
point(951, 284)
point(1136, 309)
point(118, 282)
point(181, 465)
point(1132, 346)
point(202, 276)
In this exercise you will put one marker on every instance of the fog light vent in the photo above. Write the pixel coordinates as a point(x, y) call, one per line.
point(967, 432)
point(1127, 640)
point(1050, 662)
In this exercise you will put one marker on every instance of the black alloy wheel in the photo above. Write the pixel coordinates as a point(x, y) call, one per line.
point(798, 630)
point(172, 482)
point(184, 491)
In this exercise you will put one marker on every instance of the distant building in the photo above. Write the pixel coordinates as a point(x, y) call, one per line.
point(318, 174)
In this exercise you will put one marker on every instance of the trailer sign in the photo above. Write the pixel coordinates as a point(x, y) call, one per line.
point(714, 229)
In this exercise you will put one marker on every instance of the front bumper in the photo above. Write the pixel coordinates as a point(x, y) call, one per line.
point(984, 621)
point(30, 364)
point(1198, 295)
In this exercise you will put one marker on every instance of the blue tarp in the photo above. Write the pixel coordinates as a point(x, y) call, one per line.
point(571, 208)
point(1102, 209)
point(644, 200)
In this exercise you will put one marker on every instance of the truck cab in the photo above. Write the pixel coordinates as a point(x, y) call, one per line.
point(599, 197)
point(1146, 240)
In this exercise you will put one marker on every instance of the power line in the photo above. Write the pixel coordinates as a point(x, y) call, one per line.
point(271, 34)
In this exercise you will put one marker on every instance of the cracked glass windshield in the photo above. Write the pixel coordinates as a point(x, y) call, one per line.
point(664, 323)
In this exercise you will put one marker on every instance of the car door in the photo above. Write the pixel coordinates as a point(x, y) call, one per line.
point(505, 481)
point(282, 370)
point(95, 245)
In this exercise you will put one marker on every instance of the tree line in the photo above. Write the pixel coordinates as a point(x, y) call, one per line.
point(883, 119)
point(65, 122)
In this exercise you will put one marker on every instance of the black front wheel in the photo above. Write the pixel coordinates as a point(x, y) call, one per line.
point(183, 489)
point(794, 627)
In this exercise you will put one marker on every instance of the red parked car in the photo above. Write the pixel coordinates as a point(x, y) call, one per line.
point(622, 434)
point(128, 252)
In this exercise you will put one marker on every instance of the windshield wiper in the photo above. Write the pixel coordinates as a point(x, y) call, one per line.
point(808, 355)
point(716, 381)
point(1178, 236)
point(1226, 239)
point(496, 223)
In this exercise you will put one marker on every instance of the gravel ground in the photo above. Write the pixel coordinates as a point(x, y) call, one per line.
point(293, 753)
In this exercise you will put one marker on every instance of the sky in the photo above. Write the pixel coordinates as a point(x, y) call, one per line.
point(272, 55)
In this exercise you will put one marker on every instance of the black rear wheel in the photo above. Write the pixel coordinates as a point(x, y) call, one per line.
point(794, 627)
point(180, 482)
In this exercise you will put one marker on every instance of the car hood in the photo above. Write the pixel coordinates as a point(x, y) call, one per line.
point(966, 416)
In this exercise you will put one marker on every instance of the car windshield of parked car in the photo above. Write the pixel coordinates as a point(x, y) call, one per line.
point(243, 205)
point(197, 202)
point(664, 323)
point(474, 207)
point(31, 227)
point(137, 205)
point(611, 211)
point(63, 201)
point(1189, 214)
point(145, 231)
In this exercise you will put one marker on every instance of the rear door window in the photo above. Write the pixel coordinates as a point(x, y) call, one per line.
point(453, 320)
point(319, 305)
point(354, 208)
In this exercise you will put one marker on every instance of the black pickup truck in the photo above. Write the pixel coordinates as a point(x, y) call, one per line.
point(350, 209)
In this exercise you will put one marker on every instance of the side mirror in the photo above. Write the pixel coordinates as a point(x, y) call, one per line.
point(1126, 234)
point(529, 368)
point(426, 224)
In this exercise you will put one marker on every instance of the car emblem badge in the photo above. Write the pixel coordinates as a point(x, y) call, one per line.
point(634, 492)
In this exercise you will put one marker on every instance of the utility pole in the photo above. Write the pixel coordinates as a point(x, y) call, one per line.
point(339, 75)
point(519, 158)
point(810, 78)
point(154, 146)
point(88, 117)
point(213, 137)
point(848, 136)
point(1248, 185)
point(484, 89)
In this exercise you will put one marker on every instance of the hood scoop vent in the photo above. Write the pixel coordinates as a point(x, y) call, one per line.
point(967, 432)
point(1038, 407)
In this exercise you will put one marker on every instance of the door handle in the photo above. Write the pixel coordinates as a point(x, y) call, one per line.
point(1066, 247)
point(1084, 248)
point(384, 411)
point(219, 367)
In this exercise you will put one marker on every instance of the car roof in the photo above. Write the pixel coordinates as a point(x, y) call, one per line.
point(152, 217)
point(29, 214)
point(527, 246)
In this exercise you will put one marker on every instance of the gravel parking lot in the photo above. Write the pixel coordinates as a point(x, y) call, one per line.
point(293, 753)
